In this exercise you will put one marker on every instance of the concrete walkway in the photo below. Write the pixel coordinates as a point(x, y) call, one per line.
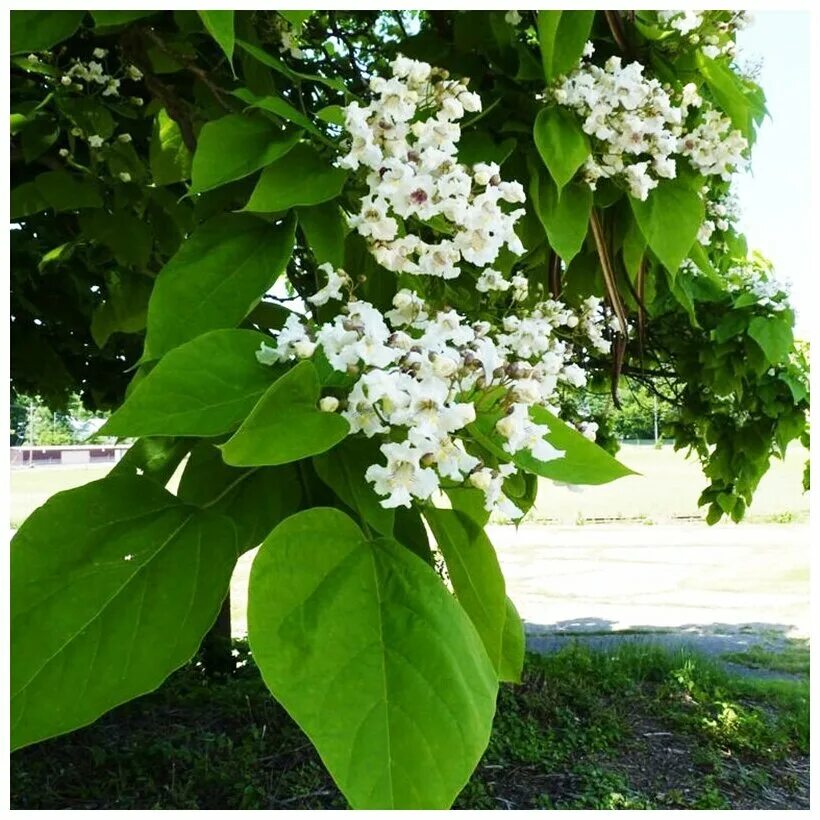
point(718, 589)
point(690, 577)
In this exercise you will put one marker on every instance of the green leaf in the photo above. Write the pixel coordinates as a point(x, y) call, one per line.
point(333, 114)
point(296, 18)
point(67, 192)
point(255, 499)
point(127, 236)
point(513, 644)
point(565, 216)
point(471, 502)
point(89, 114)
point(154, 458)
point(286, 425)
point(774, 336)
point(282, 108)
point(114, 584)
point(475, 574)
point(235, 146)
point(38, 137)
point(342, 469)
point(295, 76)
point(301, 178)
point(325, 228)
point(583, 462)
point(479, 146)
point(220, 26)
point(411, 533)
point(125, 310)
point(205, 387)
point(106, 19)
point(33, 31)
point(633, 249)
point(215, 279)
point(169, 158)
point(562, 36)
point(669, 220)
point(727, 90)
point(26, 200)
point(563, 146)
point(373, 658)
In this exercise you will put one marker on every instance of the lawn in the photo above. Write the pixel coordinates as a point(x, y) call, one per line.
point(637, 728)
point(666, 489)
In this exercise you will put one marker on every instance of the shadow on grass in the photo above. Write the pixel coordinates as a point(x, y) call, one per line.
point(637, 726)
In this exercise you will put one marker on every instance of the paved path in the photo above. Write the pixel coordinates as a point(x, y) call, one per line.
point(718, 588)
point(616, 577)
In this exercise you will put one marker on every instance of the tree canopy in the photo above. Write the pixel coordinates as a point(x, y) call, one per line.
point(367, 270)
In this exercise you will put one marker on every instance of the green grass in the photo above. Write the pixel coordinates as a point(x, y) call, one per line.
point(667, 488)
point(641, 727)
point(794, 658)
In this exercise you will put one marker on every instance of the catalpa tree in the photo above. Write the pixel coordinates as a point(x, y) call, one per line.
point(361, 272)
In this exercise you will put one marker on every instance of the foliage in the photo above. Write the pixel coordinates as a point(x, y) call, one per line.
point(585, 729)
point(33, 422)
point(225, 228)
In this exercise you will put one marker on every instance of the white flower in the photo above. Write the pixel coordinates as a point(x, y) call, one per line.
point(124, 138)
point(133, 72)
point(492, 280)
point(336, 280)
point(402, 478)
point(64, 152)
point(99, 53)
point(328, 404)
point(125, 176)
point(95, 141)
point(512, 17)
point(520, 288)
point(65, 79)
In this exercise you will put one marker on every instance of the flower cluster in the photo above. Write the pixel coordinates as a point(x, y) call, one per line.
point(755, 275)
point(639, 126)
point(721, 214)
point(92, 73)
point(418, 375)
point(407, 138)
point(713, 30)
point(97, 80)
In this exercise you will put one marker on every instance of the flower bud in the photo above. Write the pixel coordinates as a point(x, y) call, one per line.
point(328, 404)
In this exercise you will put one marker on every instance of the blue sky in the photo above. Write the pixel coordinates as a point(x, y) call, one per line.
point(775, 197)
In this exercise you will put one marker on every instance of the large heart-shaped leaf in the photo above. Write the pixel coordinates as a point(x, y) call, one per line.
point(204, 387)
point(235, 146)
point(669, 220)
point(215, 279)
point(583, 462)
point(286, 424)
point(562, 36)
point(114, 584)
point(220, 26)
point(301, 178)
point(256, 499)
point(370, 654)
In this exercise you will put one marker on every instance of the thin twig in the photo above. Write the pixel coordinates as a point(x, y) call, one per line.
point(613, 19)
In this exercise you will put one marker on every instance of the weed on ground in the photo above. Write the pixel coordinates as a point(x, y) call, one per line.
point(640, 727)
